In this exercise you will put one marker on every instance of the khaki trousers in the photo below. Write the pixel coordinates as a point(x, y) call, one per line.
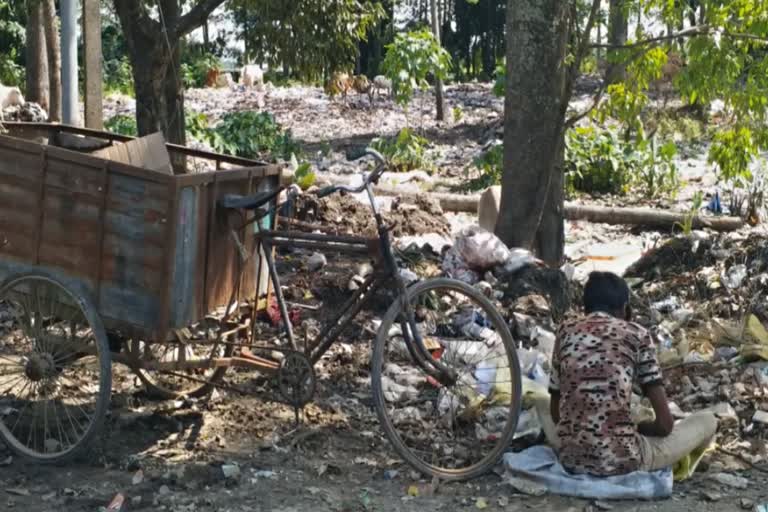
point(696, 431)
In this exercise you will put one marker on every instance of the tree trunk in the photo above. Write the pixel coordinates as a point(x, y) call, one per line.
point(53, 46)
point(532, 184)
point(618, 29)
point(37, 57)
point(438, 81)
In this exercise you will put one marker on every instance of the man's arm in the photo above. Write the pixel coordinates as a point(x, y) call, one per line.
point(663, 424)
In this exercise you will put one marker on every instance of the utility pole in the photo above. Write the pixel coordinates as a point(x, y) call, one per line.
point(70, 110)
point(94, 113)
point(438, 81)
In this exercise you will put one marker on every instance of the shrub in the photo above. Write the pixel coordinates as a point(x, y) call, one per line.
point(118, 76)
point(597, 162)
point(122, 125)
point(252, 135)
point(491, 164)
point(405, 152)
point(500, 81)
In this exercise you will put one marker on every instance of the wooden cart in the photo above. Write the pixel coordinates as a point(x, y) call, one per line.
point(103, 261)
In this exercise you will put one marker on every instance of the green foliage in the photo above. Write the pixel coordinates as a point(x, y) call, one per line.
point(304, 176)
point(122, 125)
point(195, 71)
point(656, 173)
point(197, 125)
point(252, 135)
point(12, 36)
point(687, 225)
point(597, 161)
point(405, 152)
point(411, 59)
point(118, 76)
point(491, 165)
point(500, 81)
point(458, 114)
point(311, 38)
point(733, 150)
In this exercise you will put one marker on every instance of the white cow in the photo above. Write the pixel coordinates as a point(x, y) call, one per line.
point(252, 76)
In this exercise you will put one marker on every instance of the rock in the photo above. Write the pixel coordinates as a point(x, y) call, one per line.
point(164, 490)
point(316, 262)
point(746, 504)
point(711, 496)
point(488, 208)
point(601, 505)
point(760, 417)
point(736, 482)
point(686, 386)
point(138, 477)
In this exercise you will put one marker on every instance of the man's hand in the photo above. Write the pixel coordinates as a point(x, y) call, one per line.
point(664, 422)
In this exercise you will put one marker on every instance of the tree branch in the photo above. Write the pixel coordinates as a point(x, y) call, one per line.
point(134, 16)
point(194, 18)
point(688, 32)
point(581, 50)
point(571, 121)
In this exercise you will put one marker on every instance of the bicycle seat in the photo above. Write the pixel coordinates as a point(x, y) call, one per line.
point(238, 202)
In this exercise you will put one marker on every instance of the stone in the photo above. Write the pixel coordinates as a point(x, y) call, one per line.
point(760, 417)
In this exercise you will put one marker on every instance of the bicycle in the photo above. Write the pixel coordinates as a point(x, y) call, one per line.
point(444, 367)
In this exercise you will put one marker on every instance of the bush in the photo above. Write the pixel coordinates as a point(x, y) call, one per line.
point(405, 152)
point(122, 125)
point(196, 70)
point(118, 76)
point(491, 165)
point(252, 135)
point(500, 81)
point(598, 162)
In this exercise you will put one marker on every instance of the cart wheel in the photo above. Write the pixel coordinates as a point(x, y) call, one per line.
point(55, 376)
point(182, 382)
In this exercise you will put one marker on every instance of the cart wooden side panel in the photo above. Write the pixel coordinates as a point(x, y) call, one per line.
point(150, 250)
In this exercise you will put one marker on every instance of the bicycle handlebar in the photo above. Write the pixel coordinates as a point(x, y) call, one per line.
point(372, 177)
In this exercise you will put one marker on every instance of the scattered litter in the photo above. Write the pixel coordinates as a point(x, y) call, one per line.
point(117, 503)
point(481, 504)
point(734, 276)
point(230, 471)
point(391, 474)
point(760, 417)
point(316, 262)
point(526, 486)
point(17, 491)
point(736, 482)
point(138, 477)
point(6, 461)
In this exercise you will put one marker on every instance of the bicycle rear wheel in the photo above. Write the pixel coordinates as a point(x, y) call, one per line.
point(455, 431)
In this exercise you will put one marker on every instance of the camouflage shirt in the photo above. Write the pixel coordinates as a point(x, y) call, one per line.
point(596, 363)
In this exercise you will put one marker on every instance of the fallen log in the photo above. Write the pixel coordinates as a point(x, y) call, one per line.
point(649, 217)
point(599, 214)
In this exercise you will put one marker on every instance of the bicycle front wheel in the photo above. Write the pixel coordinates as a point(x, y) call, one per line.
point(458, 430)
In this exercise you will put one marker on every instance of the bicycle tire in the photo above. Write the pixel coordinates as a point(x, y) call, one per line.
point(377, 362)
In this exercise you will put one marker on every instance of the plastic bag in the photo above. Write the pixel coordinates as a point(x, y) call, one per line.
point(480, 249)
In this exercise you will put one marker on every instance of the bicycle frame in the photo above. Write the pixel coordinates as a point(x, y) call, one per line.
point(386, 270)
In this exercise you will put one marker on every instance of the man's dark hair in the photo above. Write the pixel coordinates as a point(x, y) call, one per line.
point(606, 292)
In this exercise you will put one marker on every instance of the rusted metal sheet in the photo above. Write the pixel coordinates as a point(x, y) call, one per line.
point(152, 251)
